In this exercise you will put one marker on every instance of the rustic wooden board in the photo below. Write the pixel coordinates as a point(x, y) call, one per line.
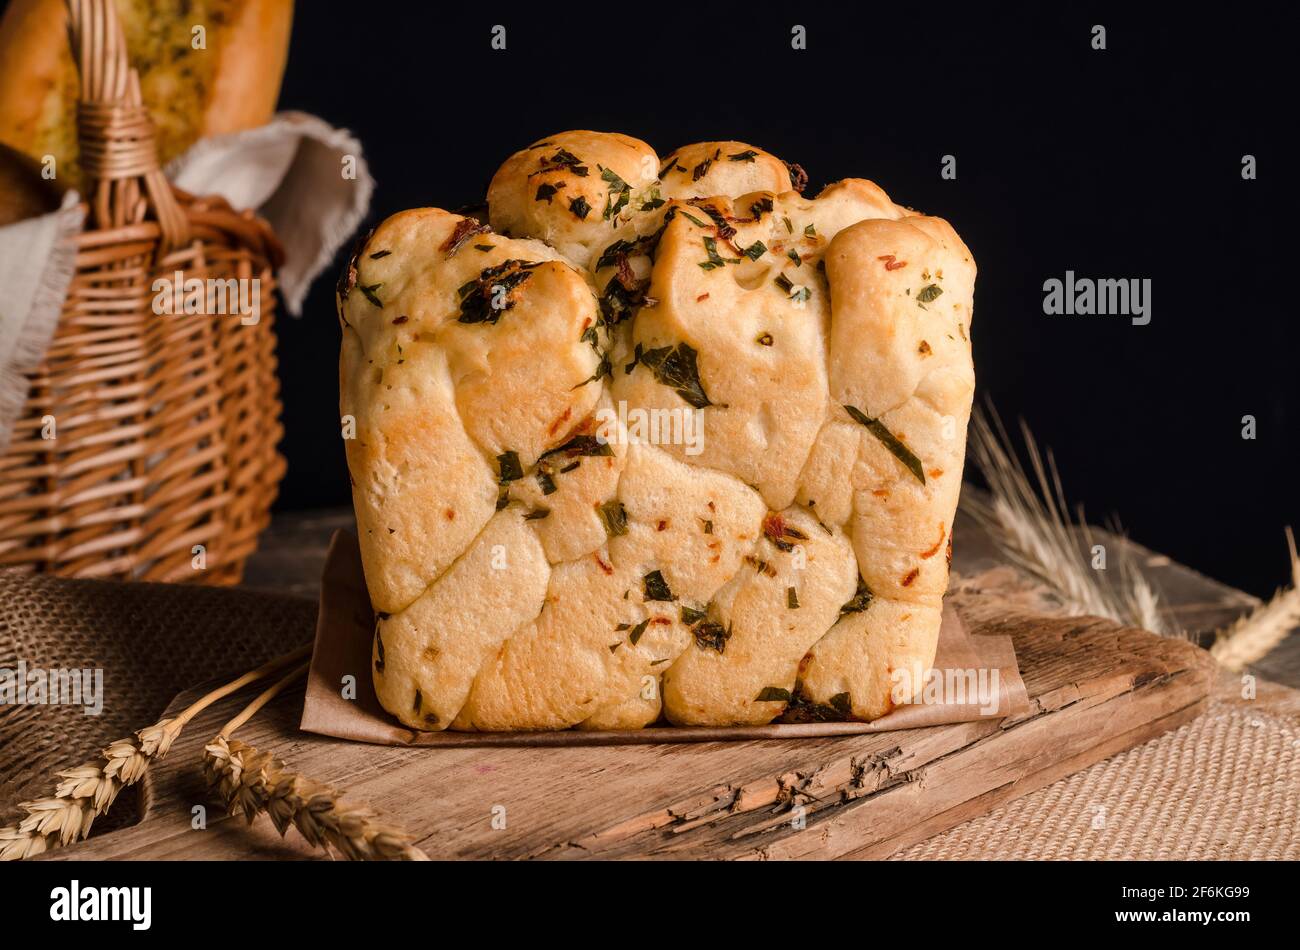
point(1095, 689)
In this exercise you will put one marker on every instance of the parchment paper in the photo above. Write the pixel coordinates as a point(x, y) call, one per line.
point(345, 627)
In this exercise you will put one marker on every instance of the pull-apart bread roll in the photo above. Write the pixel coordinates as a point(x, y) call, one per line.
point(667, 440)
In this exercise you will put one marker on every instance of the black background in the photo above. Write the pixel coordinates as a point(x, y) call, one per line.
point(337, 903)
point(1117, 163)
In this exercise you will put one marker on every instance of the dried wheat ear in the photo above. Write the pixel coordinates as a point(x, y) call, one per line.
point(247, 780)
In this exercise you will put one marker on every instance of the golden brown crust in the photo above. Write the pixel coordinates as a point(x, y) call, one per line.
point(247, 82)
point(565, 189)
point(38, 67)
point(787, 558)
point(705, 169)
point(231, 84)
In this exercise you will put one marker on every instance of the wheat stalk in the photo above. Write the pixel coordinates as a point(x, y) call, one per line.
point(89, 790)
point(1252, 637)
point(250, 781)
point(1031, 525)
point(1032, 529)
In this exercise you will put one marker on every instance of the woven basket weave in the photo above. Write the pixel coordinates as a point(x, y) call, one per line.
point(146, 448)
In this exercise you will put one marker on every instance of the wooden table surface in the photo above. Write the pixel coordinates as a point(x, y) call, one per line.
point(292, 553)
point(1095, 689)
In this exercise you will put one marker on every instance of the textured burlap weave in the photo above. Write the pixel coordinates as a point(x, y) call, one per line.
point(150, 640)
point(1224, 786)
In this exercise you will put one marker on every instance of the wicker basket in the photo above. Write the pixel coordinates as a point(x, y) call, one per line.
point(146, 449)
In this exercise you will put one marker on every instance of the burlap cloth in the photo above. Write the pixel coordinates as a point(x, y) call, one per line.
point(1224, 786)
point(150, 640)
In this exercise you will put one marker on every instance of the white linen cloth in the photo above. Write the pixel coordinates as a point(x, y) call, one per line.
point(308, 179)
point(37, 260)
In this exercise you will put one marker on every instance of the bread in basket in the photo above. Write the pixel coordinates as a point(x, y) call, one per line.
point(205, 67)
point(146, 446)
point(668, 439)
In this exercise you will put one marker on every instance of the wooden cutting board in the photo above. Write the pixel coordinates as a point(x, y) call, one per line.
point(1095, 688)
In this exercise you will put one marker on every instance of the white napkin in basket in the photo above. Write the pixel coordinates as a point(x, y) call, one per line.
point(37, 260)
point(307, 178)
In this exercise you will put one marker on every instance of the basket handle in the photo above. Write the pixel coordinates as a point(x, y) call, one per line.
point(116, 134)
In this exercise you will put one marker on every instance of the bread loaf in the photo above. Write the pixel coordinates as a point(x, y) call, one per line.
point(228, 83)
point(668, 441)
